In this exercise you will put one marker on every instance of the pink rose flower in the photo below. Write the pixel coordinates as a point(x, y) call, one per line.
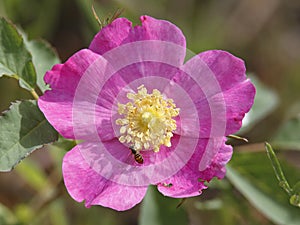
point(143, 115)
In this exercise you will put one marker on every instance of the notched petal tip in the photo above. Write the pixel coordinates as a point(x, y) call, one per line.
point(163, 30)
point(120, 32)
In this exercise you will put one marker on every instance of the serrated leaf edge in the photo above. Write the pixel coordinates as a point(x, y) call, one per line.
point(4, 113)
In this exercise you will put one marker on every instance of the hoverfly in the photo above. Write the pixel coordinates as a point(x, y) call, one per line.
point(137, 156)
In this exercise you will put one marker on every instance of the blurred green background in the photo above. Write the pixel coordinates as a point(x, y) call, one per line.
point(265, 33)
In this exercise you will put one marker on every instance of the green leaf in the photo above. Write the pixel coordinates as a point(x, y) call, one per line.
point(253, 177)
point(44, 57)
point(160, 210)
point(15, 60)
point(23, 129)
point(288, 136)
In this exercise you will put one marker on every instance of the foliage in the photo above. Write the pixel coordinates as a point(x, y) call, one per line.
point(23, 127)
point(23, 130)
point(15, 61)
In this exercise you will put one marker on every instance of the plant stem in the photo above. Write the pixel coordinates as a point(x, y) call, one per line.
point(277, 169)
point(34, 94)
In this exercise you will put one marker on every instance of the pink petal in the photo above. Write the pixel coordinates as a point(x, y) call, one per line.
point(217, 166)
point(71, 104)
point(114, 161)
point(189, 181)
point(239, 100)
point(83, 183)
point(238, 92)
point(120, 32)
point(153, 75)
point(57, 103)
point(217, 84)
point(154, 29)
point(183, 185)
point(111, 36)
point(227, 68)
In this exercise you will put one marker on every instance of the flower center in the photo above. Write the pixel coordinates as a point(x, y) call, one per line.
point(147, 120)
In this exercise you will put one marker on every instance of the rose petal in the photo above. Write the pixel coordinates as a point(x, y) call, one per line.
point(71, 106)
point(57, 103)
point(217, 166)
point(115, 161)
point(111, 36)
point(217, 84)
point(239, 100)
point(189, 181)
point(83, 183)
point(154, 29)
point(239, 92)
point(228, 69)
point(183, 185)
point(120, 32)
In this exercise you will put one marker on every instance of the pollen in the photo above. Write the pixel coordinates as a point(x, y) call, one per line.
point(147, 120)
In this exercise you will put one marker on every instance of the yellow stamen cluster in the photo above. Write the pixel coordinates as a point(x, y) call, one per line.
point(147, 120)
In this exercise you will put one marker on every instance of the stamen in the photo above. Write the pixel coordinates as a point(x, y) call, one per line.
point(147, 121)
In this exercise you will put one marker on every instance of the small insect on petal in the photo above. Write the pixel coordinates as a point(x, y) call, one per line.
point(137, 156)
point(167, 185)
